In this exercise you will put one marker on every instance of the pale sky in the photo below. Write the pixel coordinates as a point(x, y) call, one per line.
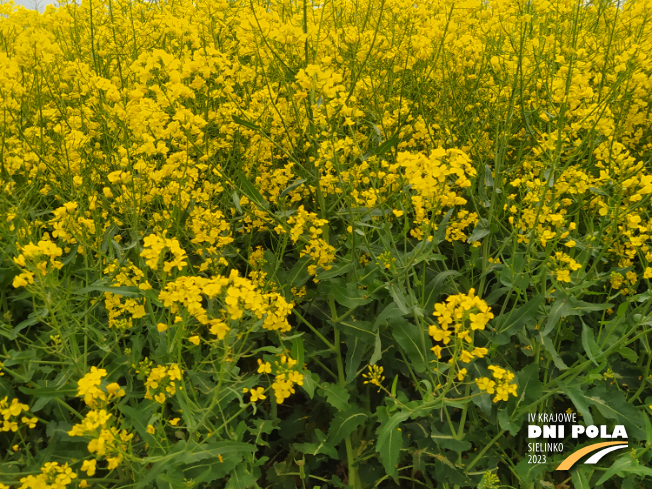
point(32, 4)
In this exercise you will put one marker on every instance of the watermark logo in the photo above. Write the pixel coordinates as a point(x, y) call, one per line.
point(552, 427)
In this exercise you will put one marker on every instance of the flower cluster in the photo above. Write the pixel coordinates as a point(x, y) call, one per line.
point(88, 387)
point(374, 376)
point(154, 247)
point(564, 265)
point(35, 258)
point(437, 180)
point(458, 317)
point(106, 441)
point(317, 248)
point(117, 307)
point(11, 414)
point(285, 377)
point(238, 296)
point(162, 379)
point(501, 385)
point(52, 476)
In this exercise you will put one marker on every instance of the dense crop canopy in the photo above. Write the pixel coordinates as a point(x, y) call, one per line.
point(271, 243)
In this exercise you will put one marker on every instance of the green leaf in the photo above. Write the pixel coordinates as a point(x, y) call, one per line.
point(336, 396)
point(648, 427)
point(50, 391)
point(309, 382)
point(628, 354)
point(495, 295)
point(612, 404)
point(378, 351)
point(108, 236)
point(362, 330)
point(394, 384)
point(507, 324)
point(391, 311)
point(261, 426)
point(248, 125)
point(515, 319)
point(488, 178)
point(171, 479)
point(521, 280)
point(638, 470)
point(567, 305)
point(201, 381)
point(528, 473)
point(195, 452)
point(355, 349)
point(399, 297)
point(435, 287)
point(506, 423)
point(588, 342)
point(447, 441)
point(252, 192)
point(158, 467)
point(241, 478)
point(293, 186)
point(350, 295)
point(299, 274)
point(530, 388)
point(480, 231)
point(17, 357)
point(411, 340)
point(580, 480)
point(550, 348)
point(236, 201)
point(138, 417)
point(33, 318)
point(423, 251)
point(390, 442)
point(578, 398)
point(619, 465)
point(440, 235)
point(317, 448)
point(339, 269)
point(121, 290)
point(297, 351)
point(345, 422)
point(382, 149)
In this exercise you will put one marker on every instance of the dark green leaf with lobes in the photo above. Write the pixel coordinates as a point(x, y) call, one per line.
point(390, 442)
point(349, 295)
point(412, 341)
point(344, 423)
point(391, 311)
point(336, 396)
point(578, 397)
point(355, 349)
point(514, 319)
point(612, 404)
point(550, 348)
point(567, 305)
point(359, 329)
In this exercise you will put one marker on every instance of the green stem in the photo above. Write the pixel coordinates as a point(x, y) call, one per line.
point(314, 330)
point(350, 458)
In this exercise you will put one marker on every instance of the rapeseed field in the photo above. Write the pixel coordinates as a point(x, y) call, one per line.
point(349, 244)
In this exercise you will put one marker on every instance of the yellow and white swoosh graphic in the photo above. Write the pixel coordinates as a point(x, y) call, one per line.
point(607, 446)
